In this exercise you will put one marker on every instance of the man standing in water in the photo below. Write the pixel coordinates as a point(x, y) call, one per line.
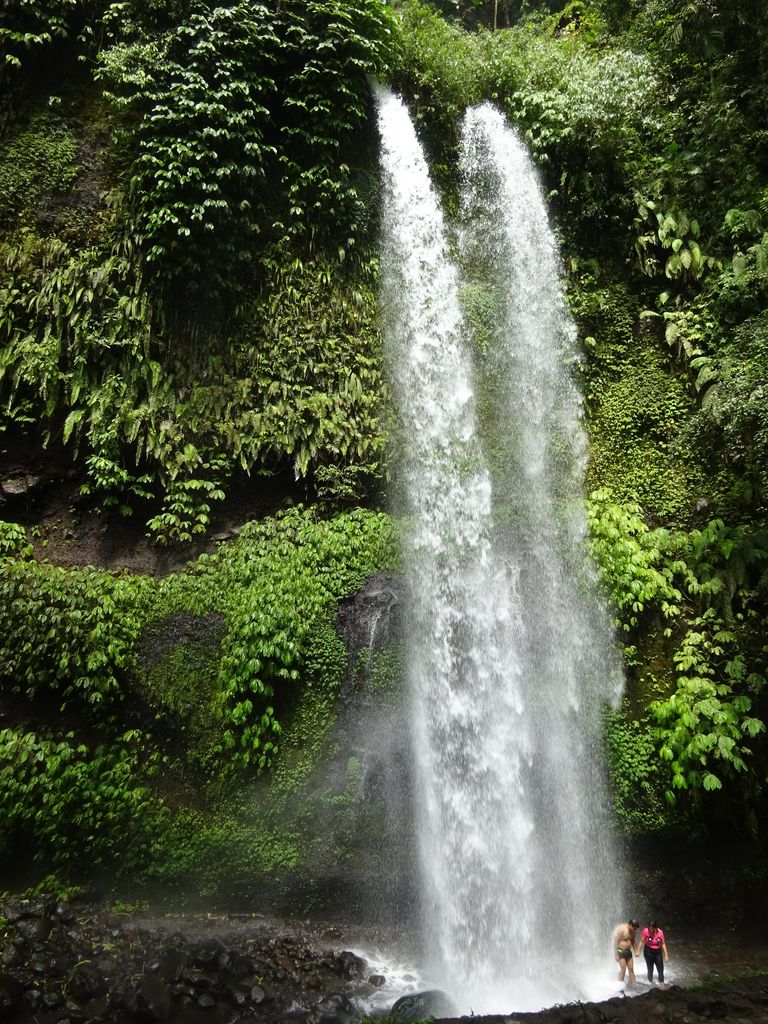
point(624, 944)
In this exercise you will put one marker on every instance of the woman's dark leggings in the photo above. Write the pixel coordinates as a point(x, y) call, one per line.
point(654, 956)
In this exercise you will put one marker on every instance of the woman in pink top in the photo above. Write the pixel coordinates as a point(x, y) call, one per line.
point(653, 947)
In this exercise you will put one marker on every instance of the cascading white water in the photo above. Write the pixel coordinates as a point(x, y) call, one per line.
point(509, 653)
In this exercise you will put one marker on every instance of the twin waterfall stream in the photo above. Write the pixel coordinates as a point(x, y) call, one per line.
point(510, 651)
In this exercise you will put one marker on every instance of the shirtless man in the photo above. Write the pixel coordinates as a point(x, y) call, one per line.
point(624, 944)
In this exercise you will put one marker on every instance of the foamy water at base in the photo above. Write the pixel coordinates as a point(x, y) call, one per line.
point(549, 984)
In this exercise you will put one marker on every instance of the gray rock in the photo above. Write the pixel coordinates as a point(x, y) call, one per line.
point(172, 965)
point(258, 995)
point(50, 999)
point(14, 955)
point(206, 953)
point(352, 966)
point(64, 912)
point(432, 1003)
point(19, 483)
point(86, 983)
point(334, 1009)
point(32, 998)
point(35, 928)
point(151, 999)
point(239, 995)
point(10, 995)
point(234, 964)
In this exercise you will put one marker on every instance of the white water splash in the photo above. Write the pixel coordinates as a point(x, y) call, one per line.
point(509, 653)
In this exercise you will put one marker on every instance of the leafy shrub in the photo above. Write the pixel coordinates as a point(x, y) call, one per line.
point(75, 808)
point(635, 774)
point(28, 24)
point(197, 95)
point(634, 560)
point(40, 159)
point(13, 541)
point(585, 115)
point(636, 416)
point(225, 99)
point(735, 416)
point(702, 727)
point(203, 853)
point(72, 324)
point(289, 572)
point(318, 332)
point(72, 633)
point(696, 581)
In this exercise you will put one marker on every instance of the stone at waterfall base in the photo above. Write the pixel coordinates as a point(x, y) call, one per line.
point(420, 1006)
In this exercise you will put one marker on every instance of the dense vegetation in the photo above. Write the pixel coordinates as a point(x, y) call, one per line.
point(188, 214)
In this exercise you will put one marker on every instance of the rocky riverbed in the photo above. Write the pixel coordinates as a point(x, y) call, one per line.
point(81, 963)
point(734, 1002)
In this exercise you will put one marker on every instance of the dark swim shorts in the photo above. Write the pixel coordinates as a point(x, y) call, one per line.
point(624, 954)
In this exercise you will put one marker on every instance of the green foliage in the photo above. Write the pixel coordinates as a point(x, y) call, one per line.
point(26, 25)
point(669, 239)
point(70, 633)
point(633, 559)
point(225, 689)
point(735, 416)
point(585, 115)
point(635, 774)
point(276, 587)
point(177, 677)
point(307, 728)
point(320, 333)
point(702, 584)
point(299, 381)
point(202, 853)
point(294, 380)
point(186, 505)
point(289, 572)
point(385, 670)
point(636, 416)
point(40, 160)
point(13, 541)
point(703, 725)
point(75, 808)
point(230, 97)
point(197, 99)
point(59, 308)
point(333, 46)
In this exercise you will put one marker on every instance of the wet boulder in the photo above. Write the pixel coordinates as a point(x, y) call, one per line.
point(86, 983)
point(352, 965)
point(64, 912)
point(151, 1000)
point(172, 965)
point(206, 953)
point(51, 999)
point(36, 929)
point(420, 1005)
point(10, 995)
point(234, 965)
point(258, 995)
point(335, 1008)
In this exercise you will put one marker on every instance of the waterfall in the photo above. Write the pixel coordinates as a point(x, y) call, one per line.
point(510, 656)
